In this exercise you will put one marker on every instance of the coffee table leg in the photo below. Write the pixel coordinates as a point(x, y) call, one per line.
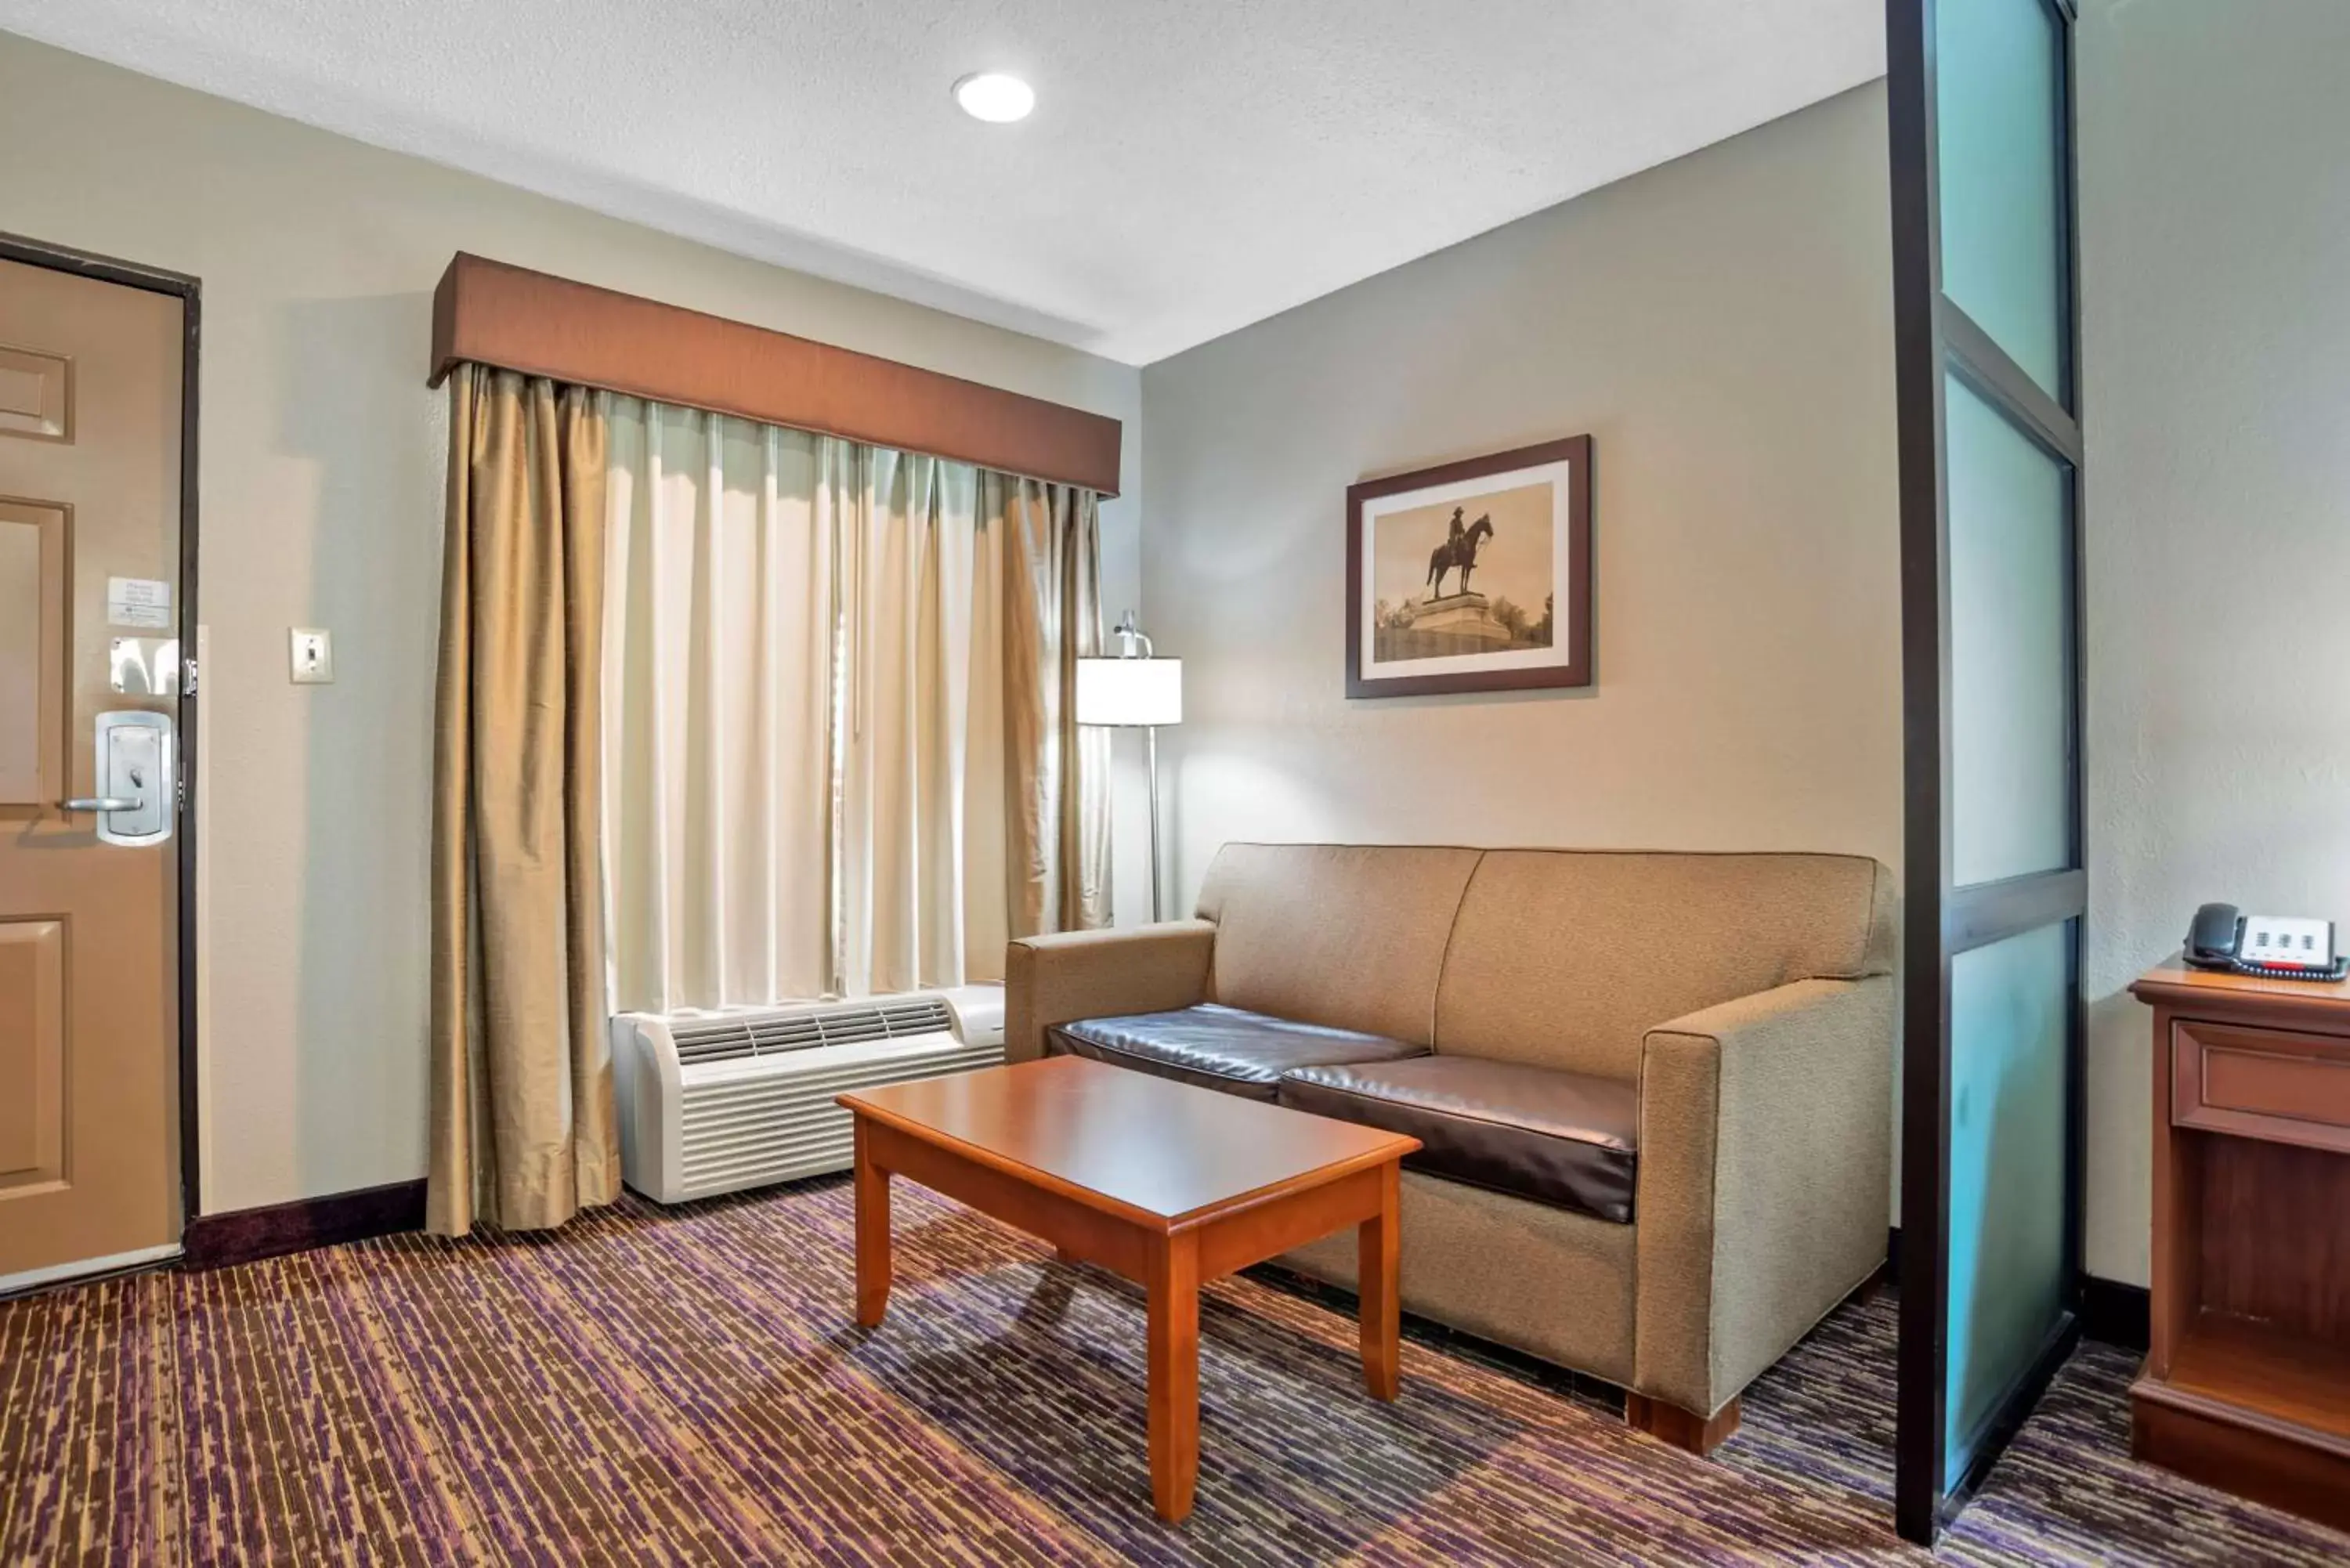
point(872, 1233)
point(1174, 1288)
point(1378, 1260)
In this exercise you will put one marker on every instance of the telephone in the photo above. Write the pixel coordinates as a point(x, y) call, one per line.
point(2278, 947)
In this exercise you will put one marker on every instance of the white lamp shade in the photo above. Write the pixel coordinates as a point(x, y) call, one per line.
point(1129, 691)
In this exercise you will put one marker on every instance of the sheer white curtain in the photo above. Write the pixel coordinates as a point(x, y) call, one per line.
point(838, 760)
point(718, 659)
point(921, 898)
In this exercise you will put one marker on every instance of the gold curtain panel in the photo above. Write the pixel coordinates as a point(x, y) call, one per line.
point(523, 1128)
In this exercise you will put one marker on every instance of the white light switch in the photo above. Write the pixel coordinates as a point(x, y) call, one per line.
point(313, 655)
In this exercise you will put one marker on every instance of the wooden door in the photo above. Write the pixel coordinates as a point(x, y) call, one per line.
point(90, 397)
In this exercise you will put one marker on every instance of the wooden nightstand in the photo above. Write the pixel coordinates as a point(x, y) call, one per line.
point(2246, 1378)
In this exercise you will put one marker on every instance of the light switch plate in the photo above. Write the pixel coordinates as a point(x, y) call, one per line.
point(311, 652)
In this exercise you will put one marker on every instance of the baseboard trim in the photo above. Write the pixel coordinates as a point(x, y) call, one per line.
point(2114, 1314)
point(248, 1235)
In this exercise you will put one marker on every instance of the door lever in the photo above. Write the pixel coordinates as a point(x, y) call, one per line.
point(135, 771)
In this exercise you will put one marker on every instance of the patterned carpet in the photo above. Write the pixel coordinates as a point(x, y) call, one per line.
point(666, 1386)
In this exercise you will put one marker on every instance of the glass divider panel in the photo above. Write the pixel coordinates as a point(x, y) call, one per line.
point(2011, 547)
point(2010, 1013)
point(1999, 138)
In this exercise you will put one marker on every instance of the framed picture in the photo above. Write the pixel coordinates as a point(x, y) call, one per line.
point(1473, 577)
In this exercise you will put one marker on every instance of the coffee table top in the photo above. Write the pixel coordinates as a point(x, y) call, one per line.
point(1162, 1153)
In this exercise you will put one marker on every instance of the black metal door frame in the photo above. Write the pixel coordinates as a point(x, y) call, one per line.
point(1933, 336)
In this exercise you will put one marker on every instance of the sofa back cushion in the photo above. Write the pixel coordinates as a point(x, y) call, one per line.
point(1351, 936)
point(1569, 957)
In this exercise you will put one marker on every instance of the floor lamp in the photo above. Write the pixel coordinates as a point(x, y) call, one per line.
point(1136, 689)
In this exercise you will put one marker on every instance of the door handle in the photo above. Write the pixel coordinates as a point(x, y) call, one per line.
point(131, 780)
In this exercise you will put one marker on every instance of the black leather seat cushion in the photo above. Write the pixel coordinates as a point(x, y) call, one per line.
point(1569, 1139)
point(1220, 1047)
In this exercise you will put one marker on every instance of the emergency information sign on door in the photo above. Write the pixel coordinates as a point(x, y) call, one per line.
point(143, 602)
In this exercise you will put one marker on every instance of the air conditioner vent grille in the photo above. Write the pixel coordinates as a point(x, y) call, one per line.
point(803, 1028)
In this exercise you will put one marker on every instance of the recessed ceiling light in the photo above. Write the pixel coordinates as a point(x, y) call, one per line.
point(996, 98)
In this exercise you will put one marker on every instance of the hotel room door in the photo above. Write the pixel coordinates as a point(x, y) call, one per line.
point(1980, 110)
point(91, 400)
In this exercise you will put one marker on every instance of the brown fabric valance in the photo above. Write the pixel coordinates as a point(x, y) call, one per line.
point(489, 313)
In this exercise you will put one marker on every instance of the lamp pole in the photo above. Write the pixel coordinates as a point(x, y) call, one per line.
point(1152, 732)
point(1134, 689)
point(1133, 644)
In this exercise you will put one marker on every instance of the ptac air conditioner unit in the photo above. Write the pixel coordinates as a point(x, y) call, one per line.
point(715, 1102)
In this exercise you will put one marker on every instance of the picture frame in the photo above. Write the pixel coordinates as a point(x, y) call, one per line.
point(1420, 623)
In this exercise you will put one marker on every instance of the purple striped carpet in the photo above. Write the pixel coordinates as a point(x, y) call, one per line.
point(664, 1387)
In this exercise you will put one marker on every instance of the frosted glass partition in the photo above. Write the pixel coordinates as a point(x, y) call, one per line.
point(2011, 549)
point(1985, 173)
point(2009, 1004)
point(1999, 137)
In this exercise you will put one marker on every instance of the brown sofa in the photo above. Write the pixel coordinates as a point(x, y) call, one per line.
point(1655, 1089)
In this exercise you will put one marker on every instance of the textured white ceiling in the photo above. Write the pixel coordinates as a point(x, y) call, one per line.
point(1192, 165)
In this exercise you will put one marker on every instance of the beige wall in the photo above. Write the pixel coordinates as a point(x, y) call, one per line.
point(322, 457)
point(1722, 326)
point(2216, 315)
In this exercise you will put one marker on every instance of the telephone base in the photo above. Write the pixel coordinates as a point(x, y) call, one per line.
point(2334, 973)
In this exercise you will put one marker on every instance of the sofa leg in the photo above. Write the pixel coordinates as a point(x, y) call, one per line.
point(1682, 1428)
point(1866, 1291)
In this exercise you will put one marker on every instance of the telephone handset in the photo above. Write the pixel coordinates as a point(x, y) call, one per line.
point(2278, 947)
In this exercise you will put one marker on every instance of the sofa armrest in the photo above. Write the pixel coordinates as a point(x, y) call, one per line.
point(1069, 975)
point(1765, 1180)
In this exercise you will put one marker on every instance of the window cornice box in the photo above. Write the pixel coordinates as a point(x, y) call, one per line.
point(490, 313)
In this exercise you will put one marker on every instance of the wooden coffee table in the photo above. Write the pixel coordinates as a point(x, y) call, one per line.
point(1164, 1183)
